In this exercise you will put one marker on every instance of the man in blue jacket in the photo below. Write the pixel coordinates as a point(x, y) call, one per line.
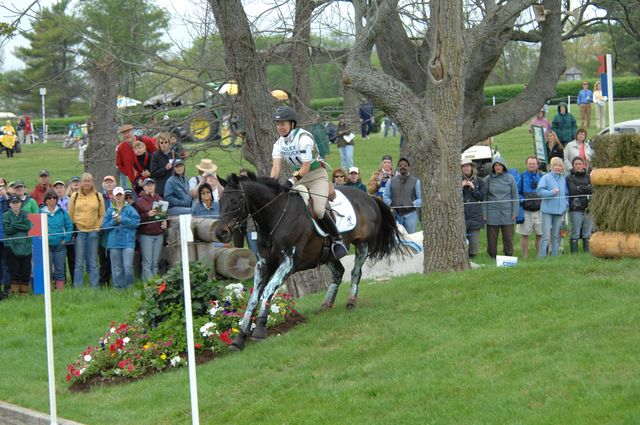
point(585, 99)
point(528, 198)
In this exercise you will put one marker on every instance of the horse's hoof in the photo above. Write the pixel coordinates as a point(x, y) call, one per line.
point(259, 334)
point(325, 307)
point(351, 304)
point(234, 348)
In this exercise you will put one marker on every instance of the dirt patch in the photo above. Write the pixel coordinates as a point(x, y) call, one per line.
point(202, 357)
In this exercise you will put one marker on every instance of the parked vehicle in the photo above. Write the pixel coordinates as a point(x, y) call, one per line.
point(482, 156)
point(632, 126)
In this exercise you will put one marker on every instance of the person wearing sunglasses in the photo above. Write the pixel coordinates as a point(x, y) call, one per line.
point(162, 162)
point(338, 177)
point(60, 234)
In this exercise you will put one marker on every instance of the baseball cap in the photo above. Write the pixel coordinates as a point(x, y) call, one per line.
point(118, 191)
point(14, 198)
point(147, 181)
point(387, 157)
point(128, 192)
point(18, 183)
point(109, 178)
point(57, 182)
point(354, 170)
point(43, 173)
point(177, 162)
point(74, 179)
point(466, 161)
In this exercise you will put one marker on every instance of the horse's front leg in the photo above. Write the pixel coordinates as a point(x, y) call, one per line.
point(362, 251)
point(283, 271)
point(337, 271)
point(260, 276)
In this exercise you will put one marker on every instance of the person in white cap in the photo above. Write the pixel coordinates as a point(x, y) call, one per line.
point(121, 223)
point(354, 179)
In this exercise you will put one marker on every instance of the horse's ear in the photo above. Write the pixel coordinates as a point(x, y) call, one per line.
point(232, 179)
point(251, 175)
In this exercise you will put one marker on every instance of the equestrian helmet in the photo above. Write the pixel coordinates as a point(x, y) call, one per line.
point(285, 113)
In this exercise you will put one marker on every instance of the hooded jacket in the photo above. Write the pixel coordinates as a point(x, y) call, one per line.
point(564, 125)
point(16, 228)
point(60, 226)
point(500, 191)
point(579, 184)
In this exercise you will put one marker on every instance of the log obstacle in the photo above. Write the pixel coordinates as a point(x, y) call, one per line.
point(232, 263)
point(615, 244)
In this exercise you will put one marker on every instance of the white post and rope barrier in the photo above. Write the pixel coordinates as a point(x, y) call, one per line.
point(187, 236)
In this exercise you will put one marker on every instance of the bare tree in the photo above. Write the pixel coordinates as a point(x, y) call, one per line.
point(432, 87)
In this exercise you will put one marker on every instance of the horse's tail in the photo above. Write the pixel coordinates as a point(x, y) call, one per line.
point(387, 240)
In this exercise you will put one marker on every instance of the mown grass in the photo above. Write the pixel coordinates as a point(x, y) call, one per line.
point(546, 342)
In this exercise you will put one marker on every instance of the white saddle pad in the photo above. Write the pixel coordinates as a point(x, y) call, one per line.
point(345, 214)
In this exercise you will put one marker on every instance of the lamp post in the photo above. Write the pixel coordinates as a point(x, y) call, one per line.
point(43, 92)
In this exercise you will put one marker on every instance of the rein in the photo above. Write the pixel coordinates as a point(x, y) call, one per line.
point(244, 200)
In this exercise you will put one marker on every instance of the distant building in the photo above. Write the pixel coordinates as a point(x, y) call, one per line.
point(573, 74)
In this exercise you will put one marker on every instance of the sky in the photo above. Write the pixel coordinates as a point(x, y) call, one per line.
point(180, 12)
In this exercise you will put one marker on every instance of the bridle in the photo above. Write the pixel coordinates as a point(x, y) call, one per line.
point(244, 210)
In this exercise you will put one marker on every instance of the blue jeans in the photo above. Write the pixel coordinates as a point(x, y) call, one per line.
point(551, 224)
point(150, 247)
point(121, 267)
point(409, 220)
point(581, 224)
point(346, 157)
point(57, 258)
point(123, 179)
point(86, 252)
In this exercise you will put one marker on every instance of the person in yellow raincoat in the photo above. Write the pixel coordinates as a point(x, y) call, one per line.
point(8, 138)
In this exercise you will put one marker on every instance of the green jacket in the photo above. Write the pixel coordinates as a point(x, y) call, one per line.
point(17, 226)
point(30, 206)
point(564, 125)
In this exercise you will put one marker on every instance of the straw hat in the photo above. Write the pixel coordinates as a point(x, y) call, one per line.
point(207, 165)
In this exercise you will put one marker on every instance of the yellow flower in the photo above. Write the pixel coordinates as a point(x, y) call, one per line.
point(146, 346)
point(163, 356)
point(234, 330)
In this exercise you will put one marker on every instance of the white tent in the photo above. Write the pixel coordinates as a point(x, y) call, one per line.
point(126, 102)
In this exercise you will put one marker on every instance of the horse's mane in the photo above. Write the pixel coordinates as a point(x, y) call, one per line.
point(233, 181)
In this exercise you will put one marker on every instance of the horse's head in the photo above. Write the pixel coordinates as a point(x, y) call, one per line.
point(233, 208)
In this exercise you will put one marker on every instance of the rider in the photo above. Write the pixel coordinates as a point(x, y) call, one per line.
point(298, 147)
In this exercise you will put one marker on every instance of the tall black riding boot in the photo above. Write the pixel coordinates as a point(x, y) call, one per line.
point(338, 248)
point(573, 246)
point(585, 245)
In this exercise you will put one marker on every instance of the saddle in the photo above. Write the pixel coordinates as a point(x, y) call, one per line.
point(338, 206)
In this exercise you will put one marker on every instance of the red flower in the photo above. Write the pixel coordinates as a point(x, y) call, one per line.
point(68, 377)
point(162, 287)
point(197, 345)
point(224, 337)
point(120, 343)
point(123, 326)
point(112, 348)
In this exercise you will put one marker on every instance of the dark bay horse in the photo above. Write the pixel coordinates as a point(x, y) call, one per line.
point(288, 242)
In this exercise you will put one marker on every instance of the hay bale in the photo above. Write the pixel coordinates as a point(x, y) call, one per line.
point(614, 209)
point(615, 245)
point(623, 176)
point(616, 150)
point(235, 263)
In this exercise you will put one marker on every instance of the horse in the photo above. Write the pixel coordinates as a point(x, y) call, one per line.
point(288, 241)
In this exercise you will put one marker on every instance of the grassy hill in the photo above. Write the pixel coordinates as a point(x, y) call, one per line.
point(554, 341)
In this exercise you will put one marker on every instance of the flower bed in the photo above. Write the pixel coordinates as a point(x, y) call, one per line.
point(155, 338)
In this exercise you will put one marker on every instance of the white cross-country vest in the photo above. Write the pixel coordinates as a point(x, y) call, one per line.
point(297, 147)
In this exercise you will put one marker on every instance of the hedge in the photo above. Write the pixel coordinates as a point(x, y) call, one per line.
point(625, 87)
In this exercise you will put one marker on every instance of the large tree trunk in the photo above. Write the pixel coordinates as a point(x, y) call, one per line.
point(434, 91)
point(301, 58)
point(101, 154)
point(247, 68)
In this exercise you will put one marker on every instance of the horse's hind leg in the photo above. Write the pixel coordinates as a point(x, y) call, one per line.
point(283, 271)
point(337, 270)
point(260, 275)
point(362, 251)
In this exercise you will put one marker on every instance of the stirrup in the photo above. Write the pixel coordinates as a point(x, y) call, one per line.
point(338, 249)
